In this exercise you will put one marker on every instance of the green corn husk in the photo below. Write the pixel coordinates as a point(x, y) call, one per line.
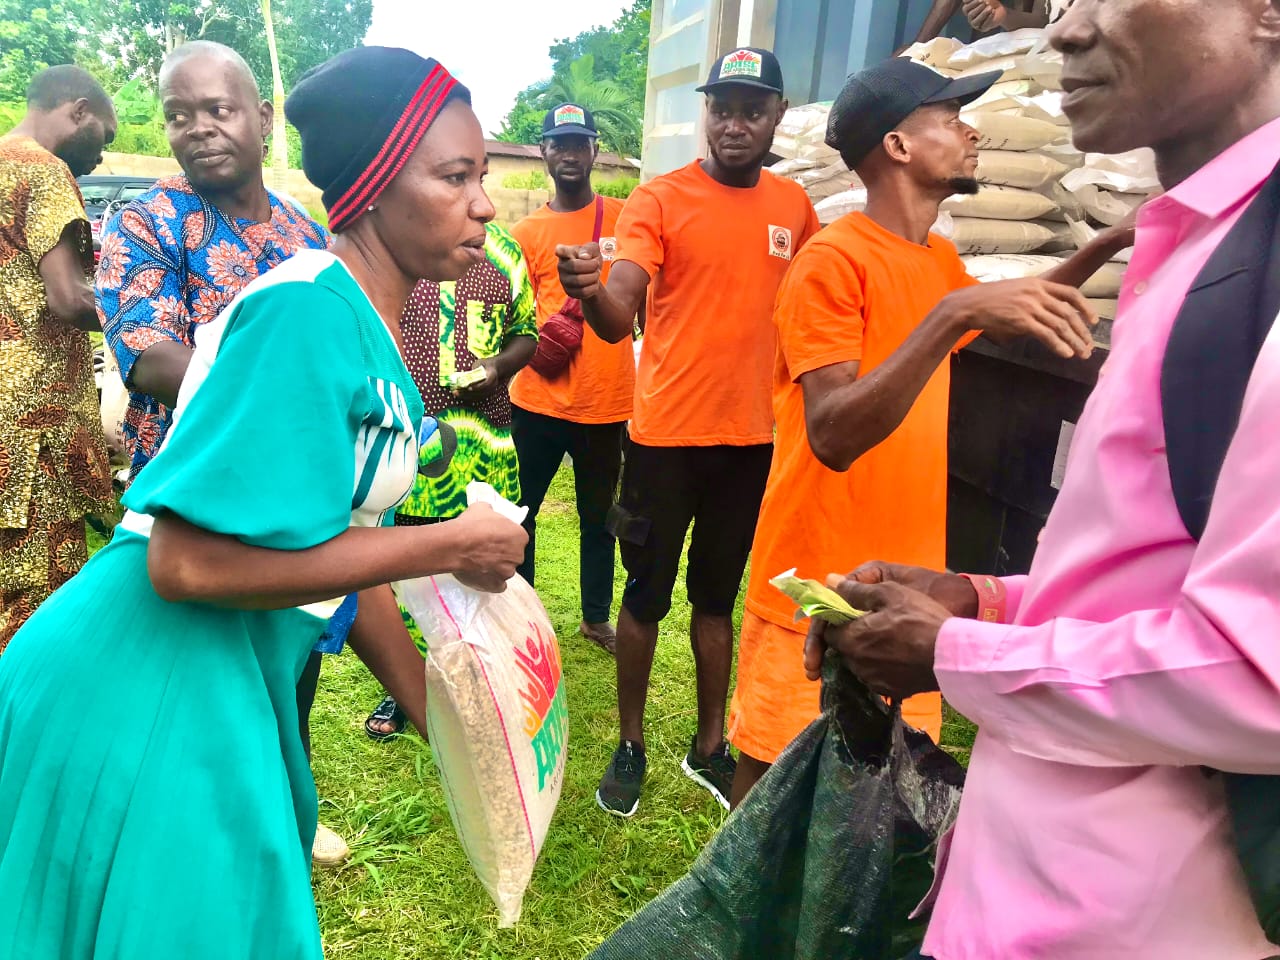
point(815, 599)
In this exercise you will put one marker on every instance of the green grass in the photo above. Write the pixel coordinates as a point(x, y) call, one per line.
point(408, 891)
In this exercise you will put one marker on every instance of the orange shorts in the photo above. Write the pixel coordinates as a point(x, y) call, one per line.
point(774, 701)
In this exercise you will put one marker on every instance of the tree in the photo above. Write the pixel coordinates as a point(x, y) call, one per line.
point(308, 33)
point(621, 50)
point(523, 124)
point(614, 110)
point(279, 145)
point(35, 35)
point(605, 70)
point(119, 40)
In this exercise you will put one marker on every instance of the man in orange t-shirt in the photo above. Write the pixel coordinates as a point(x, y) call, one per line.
point(583, 408)
point(866, 318)
point(708, 244)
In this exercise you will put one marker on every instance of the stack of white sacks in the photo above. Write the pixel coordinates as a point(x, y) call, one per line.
point(1040, 198)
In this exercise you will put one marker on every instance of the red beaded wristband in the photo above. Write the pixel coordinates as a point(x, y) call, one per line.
point(991, 597)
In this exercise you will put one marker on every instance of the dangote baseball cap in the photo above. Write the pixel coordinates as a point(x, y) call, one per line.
point(747, 67)
point(568, 120)
point(879, 98)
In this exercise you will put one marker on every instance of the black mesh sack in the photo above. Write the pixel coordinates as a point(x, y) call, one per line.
point(826, 858)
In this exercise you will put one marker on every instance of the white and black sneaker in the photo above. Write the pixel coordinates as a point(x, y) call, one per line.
point(714, 772)
point(619, 791)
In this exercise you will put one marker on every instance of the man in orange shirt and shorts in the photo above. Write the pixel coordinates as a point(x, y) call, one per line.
point(867, 318)
point(577, 404)
point(708, 244)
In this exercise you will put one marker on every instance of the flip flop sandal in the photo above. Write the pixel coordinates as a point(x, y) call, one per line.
point(388, 711)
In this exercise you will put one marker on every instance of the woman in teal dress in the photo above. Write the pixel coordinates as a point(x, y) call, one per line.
point(154, 796)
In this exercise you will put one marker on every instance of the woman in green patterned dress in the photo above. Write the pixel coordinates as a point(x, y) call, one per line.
point(170, 811)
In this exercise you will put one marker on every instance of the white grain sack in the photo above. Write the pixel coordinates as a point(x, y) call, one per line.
point(1064, 241)
point(1007, 131)
point(833, 208)
point(972, 236)
point(936, 53)
point(1106, 207)
point(1011, 168)
point(1003, 44)
point(1068, 204)
point(1010, 88)
point(825, 181)
point(1000, 203)
point(1105, 284)
point(1082, 233)
point(993, 267)
point(1104, 308)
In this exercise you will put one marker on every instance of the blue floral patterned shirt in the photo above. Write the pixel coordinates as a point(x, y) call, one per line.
point(170, 262)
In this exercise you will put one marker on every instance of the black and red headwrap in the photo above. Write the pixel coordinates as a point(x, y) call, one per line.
point(361, 114)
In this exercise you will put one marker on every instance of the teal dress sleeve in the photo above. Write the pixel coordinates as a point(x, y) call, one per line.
point(264, 449)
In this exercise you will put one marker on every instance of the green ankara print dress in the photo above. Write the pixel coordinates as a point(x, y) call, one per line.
point(155, 800)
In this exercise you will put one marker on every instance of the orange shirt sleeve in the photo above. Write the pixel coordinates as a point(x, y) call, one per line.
point(639, 232)
point(819, 311)
point(811, 226)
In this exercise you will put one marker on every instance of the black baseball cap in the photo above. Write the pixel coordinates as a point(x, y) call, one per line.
point(879, 98)
point(745, 67)
point(569, 120)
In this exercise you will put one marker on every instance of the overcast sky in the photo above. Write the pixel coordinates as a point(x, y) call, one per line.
point(496, 47)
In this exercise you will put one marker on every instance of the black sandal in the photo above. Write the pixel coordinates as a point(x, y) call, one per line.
point(388, 711)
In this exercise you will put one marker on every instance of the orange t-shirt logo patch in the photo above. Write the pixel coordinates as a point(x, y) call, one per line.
point(608, 248)
point(779, 242)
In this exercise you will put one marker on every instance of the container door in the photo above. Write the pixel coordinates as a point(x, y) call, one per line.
point(683, 42)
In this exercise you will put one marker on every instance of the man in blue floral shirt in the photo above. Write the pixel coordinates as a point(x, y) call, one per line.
point(175, 256)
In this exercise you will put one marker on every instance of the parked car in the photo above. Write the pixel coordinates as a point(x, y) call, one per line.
point(103, 191)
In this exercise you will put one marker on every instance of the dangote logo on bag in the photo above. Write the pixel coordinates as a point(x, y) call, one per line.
point(743, 63)
point(546, 719)
point(570, 114)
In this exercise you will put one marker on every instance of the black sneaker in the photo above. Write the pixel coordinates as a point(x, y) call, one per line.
point(619, 792)
point(714, 772)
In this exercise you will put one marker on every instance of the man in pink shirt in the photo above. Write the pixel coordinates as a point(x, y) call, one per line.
point(1134, 655)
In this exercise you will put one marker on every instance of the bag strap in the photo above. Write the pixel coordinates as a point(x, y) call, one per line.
point(1227, 314)
point(595, 233)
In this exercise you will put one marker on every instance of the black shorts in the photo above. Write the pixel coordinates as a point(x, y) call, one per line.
point(664, 490)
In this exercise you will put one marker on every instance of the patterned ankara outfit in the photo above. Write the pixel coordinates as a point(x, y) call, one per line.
point(170, 262)
point(53, 457)
point(447, 328)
